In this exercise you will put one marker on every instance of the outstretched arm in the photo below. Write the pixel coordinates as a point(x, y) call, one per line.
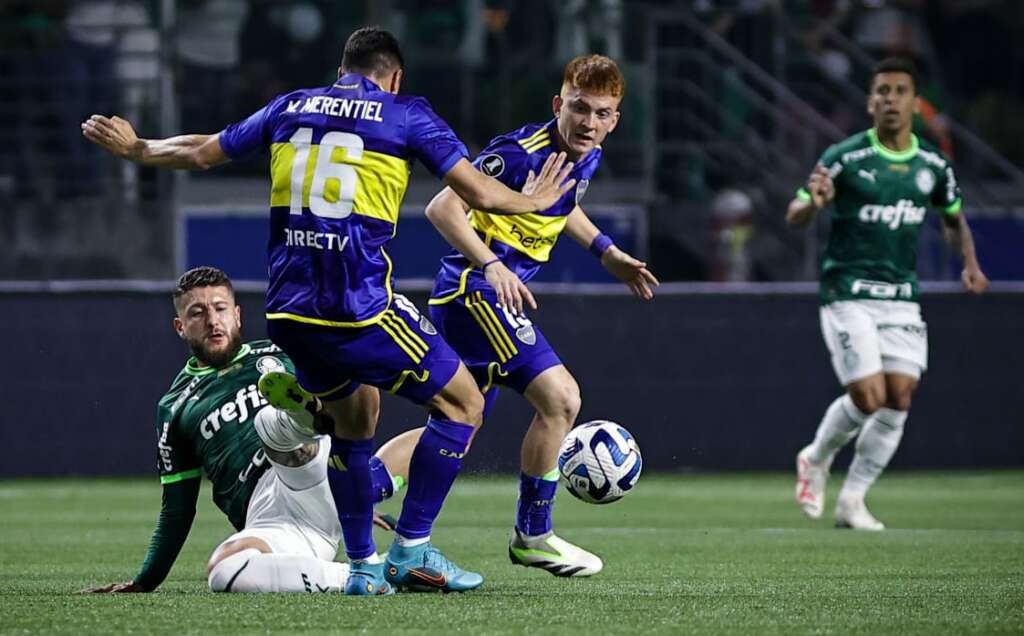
point(958, 235)
point(177, 512)
point(447, 211)
point(490, 195)
point(184, 152)
point(620, 264)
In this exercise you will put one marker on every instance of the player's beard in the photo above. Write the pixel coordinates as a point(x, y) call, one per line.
point(221, 357)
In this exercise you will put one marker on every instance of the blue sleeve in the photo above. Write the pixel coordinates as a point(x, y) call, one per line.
point(506, 161)
point(431, 139)
point(252, 134)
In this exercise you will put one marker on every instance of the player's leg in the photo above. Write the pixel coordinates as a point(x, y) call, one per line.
point(323, 360)
point(851, 336)
point(904, 347)
point(272, 554)
point(412, 360)
point(555, 395)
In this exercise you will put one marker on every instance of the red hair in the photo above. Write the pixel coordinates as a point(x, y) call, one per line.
point(595, 73)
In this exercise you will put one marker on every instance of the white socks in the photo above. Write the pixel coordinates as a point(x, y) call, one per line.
point(254, 571)
point(875, 447)
point(841, 422)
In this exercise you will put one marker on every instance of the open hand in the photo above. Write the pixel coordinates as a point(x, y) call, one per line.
point(115, 588)
point(549, 186)
point(512, 292)
point(630, 271)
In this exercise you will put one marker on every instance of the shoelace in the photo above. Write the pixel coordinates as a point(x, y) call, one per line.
point(433, 559)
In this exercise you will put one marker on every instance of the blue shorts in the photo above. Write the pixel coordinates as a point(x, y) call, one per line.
point(499, 348)
point(401, 353)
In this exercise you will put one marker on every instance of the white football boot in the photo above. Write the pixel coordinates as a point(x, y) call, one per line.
point(810, 485)
point(553, 554)
point(852, 513)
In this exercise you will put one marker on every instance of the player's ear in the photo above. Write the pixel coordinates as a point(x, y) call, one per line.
point(615, 121)
point(556, 104)
point(917, 104)
point(179, 327)
point(395, 83)
point(340, 72)
point(238, 315)
point(871, 105)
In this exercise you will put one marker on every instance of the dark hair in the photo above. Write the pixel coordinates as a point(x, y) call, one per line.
point(201, 277)
point(371, 51)
point(896, 65)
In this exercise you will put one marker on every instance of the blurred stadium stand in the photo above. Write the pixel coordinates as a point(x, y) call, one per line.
point(728, 106)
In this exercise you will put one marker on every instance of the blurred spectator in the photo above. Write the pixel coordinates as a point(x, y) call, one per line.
point(732, 226)
point(209, 53)
point(589, 26)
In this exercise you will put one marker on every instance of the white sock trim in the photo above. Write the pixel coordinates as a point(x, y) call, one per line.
point(406, 542)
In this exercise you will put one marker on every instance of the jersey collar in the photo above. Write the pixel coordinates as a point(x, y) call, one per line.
point(350, 81)
point(892, 155)
point(192, 366)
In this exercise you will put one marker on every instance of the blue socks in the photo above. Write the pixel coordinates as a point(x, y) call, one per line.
point(435, 464)
point(536, 496)
point(350, 477)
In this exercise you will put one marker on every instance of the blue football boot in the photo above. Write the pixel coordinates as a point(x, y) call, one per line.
point(423, 568)
point(367, 579)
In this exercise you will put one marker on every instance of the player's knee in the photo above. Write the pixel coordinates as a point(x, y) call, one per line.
point(469, 407)
point(564, 404)
point(900, 400)
point(224, 572)
point(868, 398)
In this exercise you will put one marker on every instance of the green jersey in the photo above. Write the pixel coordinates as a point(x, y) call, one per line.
point(205, 426)
point(881, 200)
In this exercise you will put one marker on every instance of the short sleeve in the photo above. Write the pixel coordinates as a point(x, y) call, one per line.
point(252, 134)
point(431, 139)
point(946, 195)
point(175, 458)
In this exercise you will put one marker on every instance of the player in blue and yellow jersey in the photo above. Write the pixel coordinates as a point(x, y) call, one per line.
point(478, 296)
point(340, 161)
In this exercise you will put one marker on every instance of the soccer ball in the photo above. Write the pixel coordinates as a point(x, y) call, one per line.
point(599, 462)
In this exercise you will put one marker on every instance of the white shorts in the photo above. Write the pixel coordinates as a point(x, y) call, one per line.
point(292, 510)
point(866, 337)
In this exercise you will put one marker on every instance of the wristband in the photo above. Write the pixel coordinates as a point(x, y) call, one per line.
point(600, 245)
point(483, 268)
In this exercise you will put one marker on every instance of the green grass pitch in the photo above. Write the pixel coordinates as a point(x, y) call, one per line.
point(693, 554)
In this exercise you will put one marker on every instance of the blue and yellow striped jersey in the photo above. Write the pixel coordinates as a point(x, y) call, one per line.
point(523, 242)
point(339, 168)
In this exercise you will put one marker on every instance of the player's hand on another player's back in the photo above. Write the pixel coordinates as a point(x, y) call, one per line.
point(548, 187)
point(974, 280)
point(512, 292)
point(820, 187)
point(113, 134)
point(629, 270)
point(124, 588)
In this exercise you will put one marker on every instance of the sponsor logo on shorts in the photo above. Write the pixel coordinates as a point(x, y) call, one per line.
point(427, 327)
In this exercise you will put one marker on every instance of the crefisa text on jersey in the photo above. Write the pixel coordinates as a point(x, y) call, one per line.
point(234, 410)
